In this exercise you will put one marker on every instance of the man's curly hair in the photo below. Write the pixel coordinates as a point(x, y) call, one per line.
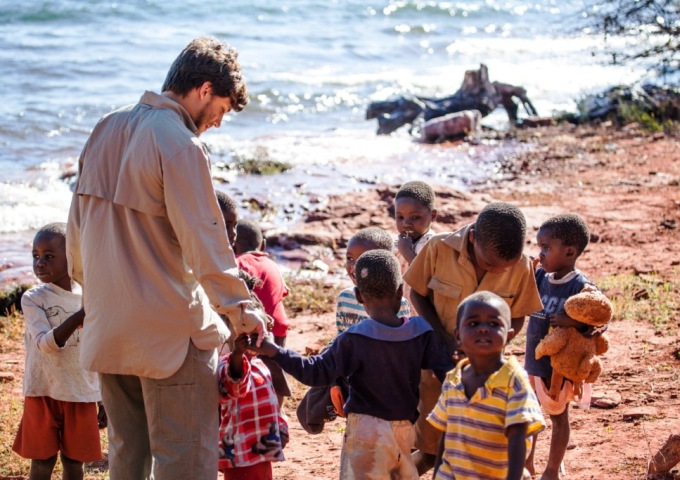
point(570, 228)
point(375, 236)
point(419, 191)
point(206, 59)
point(378, 274)
point(501, 228)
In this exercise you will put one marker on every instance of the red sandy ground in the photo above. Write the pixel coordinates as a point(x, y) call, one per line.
point(625, 185)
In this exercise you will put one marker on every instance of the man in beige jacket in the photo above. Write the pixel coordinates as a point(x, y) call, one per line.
point(147, 242)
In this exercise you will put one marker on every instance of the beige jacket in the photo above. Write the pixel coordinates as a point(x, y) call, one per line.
point(147, 242)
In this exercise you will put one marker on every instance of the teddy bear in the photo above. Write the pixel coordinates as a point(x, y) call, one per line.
point(572, 355)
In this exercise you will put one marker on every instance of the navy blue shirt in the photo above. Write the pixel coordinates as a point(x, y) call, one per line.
point(382, 365)
point(553, 295)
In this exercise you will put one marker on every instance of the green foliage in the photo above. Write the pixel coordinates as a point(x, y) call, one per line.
point(633, 114)
point(644, 298)
point(258, 162)
point(10, 301)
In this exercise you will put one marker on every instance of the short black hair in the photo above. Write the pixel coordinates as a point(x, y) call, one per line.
point(570, 229)
point(486, 298)
point(248, 235)
point(501, 228)
point(375, 236)
point(56, 229)
point(226, 203)
point(419, 191)
point(378, 274)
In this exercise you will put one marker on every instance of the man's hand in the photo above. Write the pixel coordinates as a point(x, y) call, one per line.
point(253, 321)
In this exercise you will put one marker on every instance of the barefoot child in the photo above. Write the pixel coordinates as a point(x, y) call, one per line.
point(60, 397)
point(381, 357)
point(561, 239)
point(485, 255)
point(487, 408)
point(253, 432)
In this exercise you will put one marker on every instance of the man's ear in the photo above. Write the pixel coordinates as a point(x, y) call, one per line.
point(400, 290)
point(204, 90)
point(433, 215)
point(511, 335)
point(357, 294)
point(471, 235)
point(570, 252)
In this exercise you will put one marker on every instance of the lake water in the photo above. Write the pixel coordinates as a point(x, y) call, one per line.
point(311, 68)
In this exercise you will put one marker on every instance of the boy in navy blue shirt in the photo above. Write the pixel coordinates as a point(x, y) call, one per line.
point(381, 357)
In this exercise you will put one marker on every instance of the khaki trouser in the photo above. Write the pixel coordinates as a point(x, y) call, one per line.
point(167, 428)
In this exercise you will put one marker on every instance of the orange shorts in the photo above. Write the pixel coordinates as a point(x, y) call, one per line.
point(49, 426)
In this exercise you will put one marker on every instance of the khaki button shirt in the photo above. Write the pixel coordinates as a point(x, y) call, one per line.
point(147, 242)
point(444, 272)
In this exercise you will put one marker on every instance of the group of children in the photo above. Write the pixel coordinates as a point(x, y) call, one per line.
point(428, 382)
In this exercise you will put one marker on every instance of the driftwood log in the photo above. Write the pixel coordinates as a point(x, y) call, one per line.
point(666, 458)
point(475, 93)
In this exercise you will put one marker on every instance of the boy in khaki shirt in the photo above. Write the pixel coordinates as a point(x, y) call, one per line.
point(485, 255)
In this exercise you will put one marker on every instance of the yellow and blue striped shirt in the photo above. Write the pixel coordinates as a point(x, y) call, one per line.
point(475, 444)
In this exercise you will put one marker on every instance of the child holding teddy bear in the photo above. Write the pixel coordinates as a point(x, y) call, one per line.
point(561, 239)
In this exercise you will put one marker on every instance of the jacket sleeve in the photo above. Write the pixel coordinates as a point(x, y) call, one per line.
point(196, 218)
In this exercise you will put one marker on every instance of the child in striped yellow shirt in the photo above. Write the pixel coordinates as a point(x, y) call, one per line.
point(487, 407)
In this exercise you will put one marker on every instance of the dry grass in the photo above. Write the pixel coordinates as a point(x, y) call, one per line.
point(12, 466)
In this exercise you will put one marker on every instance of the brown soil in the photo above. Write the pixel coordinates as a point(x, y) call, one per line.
point(625, 185)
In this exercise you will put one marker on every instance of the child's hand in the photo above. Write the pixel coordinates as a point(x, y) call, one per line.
point(266, 348)
point(284, 439)
point(405, 246)
point(241, 344)
point(102, 418)
point(561, 319)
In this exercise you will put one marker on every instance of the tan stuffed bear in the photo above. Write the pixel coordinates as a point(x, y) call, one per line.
point(571, 354)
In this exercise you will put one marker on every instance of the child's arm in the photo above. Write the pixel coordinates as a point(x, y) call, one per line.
point(425, 309)
point(64, 331)
point(102, 418)
point(561, 319)
point(517, 449)
point(316, 371)
point(241, 344)
point(48, 338)
point(406, 248)
point(440, 454)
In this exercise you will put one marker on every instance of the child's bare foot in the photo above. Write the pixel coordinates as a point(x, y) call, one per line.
point(531, 469)
point(551, 475)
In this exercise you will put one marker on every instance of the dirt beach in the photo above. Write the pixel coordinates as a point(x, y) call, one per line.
point(625, 183)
